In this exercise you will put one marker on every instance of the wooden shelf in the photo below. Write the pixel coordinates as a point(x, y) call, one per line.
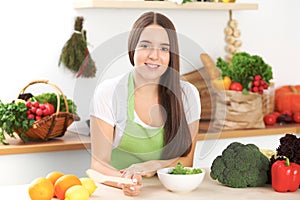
point(163, 5)
point(73, 141)
point(269, 130)
point(70, 141)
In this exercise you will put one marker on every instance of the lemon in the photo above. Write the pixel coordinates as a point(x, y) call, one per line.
point(228, 1)
point(77, 192)
point(89, 184)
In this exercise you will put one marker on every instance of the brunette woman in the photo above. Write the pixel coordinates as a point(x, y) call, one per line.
point(148, 118)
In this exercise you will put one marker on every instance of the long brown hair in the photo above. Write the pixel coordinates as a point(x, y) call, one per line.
point(177, 137)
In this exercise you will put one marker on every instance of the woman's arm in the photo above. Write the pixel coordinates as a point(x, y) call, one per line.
point(149, 168)
point(102, 135)
point(101, 146)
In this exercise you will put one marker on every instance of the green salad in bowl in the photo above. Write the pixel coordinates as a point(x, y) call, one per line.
point(180, 178)
point(180, 169)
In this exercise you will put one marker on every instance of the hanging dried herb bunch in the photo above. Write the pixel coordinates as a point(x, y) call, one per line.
point(75, 54)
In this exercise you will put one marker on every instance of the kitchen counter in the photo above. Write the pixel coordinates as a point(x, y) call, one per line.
point(74, 141)
point(206, 132)
point(70, 141)
point(152, 189)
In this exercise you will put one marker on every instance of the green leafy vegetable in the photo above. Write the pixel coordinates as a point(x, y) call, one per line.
point(243, 67)
point(180, 169)
point(52, 99)
point(185, 1)
point(13, 117)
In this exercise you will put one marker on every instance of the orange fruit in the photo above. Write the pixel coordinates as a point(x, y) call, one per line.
point(63, 183)
point(53, 176)
point(41, 189)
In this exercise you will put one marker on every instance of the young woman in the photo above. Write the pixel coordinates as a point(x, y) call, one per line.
point(148, 118)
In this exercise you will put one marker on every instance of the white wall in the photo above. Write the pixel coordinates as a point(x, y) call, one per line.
point(23, 168)
point(207, 150)
point(33, 33)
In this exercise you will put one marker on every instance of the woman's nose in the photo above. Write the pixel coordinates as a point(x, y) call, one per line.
point(153, 54)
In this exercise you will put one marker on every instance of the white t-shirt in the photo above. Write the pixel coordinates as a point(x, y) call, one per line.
point(109, 104)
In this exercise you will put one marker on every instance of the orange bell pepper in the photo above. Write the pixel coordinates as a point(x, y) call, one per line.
point(285, 176)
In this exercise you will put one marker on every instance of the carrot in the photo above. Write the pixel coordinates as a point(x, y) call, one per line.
point(210, 66)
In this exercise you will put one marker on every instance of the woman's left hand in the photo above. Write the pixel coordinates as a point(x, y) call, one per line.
point(132, 189)
point(146, 169)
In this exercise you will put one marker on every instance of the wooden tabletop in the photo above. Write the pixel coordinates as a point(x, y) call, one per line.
point(153, 189)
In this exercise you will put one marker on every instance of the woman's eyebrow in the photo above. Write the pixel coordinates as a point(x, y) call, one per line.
point(147, 41)
point(165, 44)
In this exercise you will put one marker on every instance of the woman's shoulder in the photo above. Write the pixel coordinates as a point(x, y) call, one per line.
point(112, 81)
point(109, 85)
point(188, 87)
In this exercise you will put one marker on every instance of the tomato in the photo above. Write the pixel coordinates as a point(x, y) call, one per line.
point(254, 89)
point(287, 112)
point(33, 109)
point(296, 117)
point(42, 106)
point(50, 108)
point(45, 112)
point(30, 116)
point(39, 112)
point(276, 114)
point(36, 104)
point(257, 77)
point(28, 104)
point(270, 119)
point(37, 117)
point(236, 86)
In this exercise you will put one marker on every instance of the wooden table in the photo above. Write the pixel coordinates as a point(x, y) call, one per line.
point(152, 189)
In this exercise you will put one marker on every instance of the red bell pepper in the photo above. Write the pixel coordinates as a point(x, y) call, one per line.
point(285, 176)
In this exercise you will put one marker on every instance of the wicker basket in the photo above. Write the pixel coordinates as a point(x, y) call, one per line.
point(51, 126)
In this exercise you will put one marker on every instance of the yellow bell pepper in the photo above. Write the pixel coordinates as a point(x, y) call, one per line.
point(222, 84)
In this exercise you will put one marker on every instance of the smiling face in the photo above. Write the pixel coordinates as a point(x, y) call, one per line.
point(152, 53)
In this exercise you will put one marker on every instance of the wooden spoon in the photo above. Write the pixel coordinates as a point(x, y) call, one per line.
point(101, 178)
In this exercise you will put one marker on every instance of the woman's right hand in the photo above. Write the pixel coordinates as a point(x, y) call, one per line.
point(132, 189)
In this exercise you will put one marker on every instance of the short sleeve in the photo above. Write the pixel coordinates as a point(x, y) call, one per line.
point(191, 102)
point(101, 106)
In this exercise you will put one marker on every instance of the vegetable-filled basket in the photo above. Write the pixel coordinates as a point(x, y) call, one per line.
point(53, 125)
point(243, 91)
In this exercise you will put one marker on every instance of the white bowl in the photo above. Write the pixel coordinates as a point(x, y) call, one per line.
point(180, 182)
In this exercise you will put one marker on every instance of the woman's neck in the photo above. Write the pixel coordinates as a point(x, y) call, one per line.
point(145, 87)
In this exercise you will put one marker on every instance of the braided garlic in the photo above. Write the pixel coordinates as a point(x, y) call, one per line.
point(232, 33)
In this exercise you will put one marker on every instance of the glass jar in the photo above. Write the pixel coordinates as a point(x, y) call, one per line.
point(268, 99)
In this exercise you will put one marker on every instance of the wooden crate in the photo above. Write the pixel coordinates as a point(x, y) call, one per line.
point(201, 80)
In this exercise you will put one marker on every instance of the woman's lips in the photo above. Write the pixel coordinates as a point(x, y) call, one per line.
point(152, 66)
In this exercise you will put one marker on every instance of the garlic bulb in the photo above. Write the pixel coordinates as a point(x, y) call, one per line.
point(232, 33)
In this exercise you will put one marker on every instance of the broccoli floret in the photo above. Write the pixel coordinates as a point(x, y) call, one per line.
point(241, 166)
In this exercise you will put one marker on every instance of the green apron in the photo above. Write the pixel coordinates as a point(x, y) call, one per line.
point(138, 143)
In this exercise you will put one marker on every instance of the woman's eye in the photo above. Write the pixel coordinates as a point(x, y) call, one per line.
point(166, 49)
point(145, 46)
